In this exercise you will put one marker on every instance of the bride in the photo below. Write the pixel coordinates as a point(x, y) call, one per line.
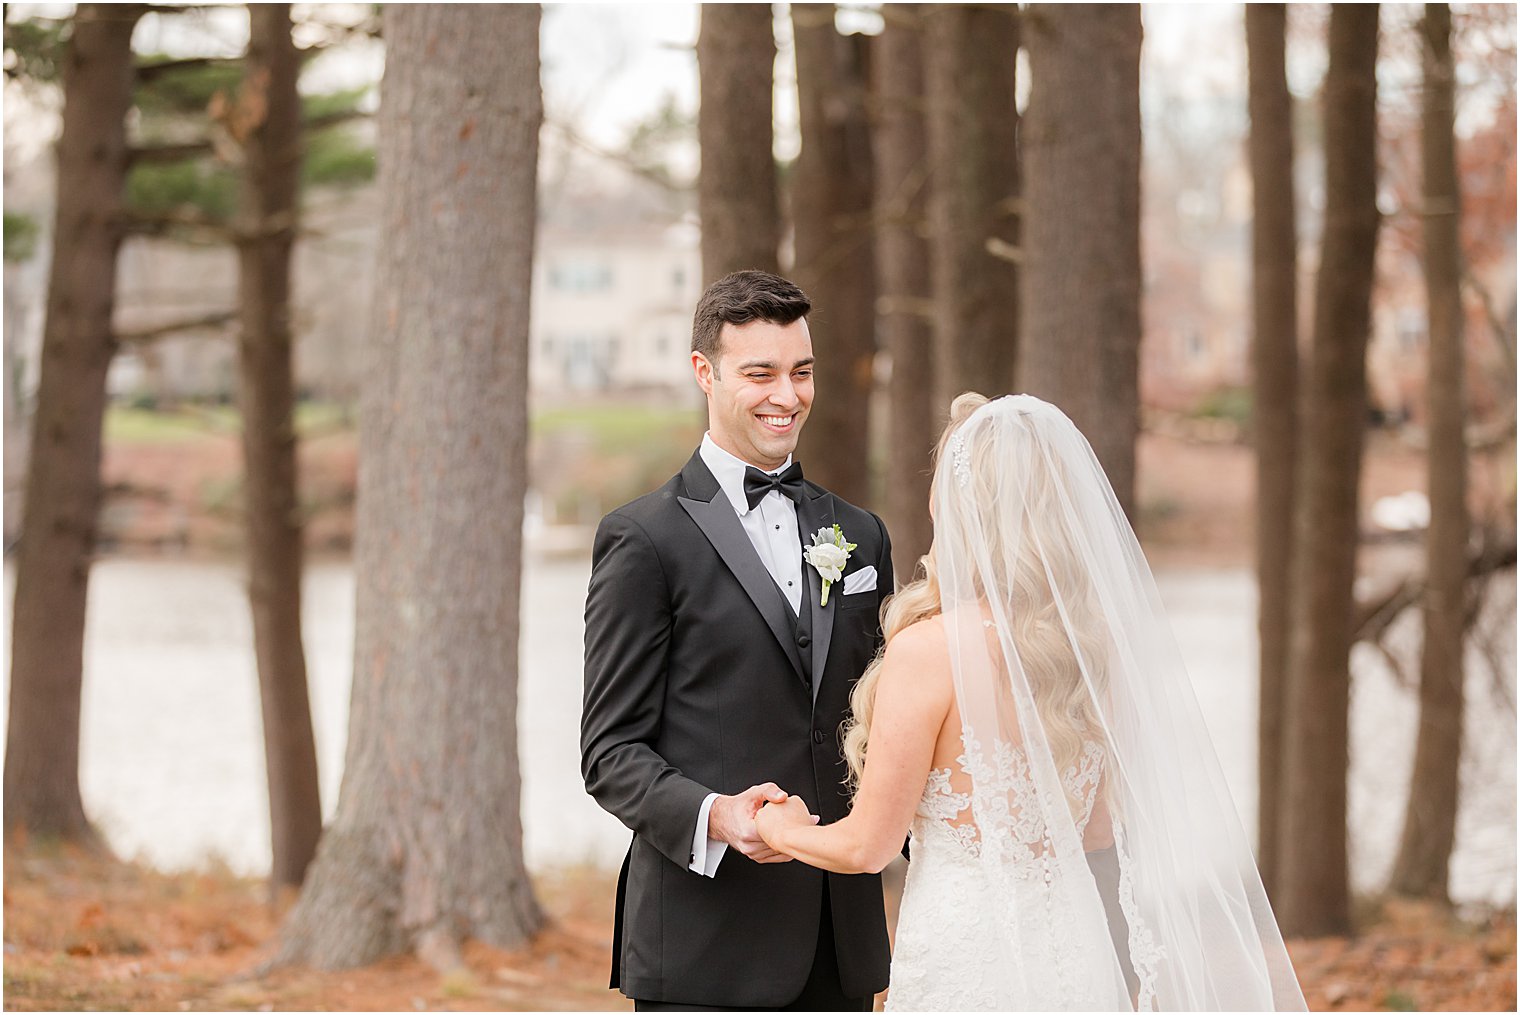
point(1031, 725)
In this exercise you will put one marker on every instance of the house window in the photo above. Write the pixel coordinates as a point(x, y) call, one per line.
point(588, 360)
point(580, 276)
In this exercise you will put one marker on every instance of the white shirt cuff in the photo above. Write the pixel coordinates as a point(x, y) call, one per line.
point(706, 853)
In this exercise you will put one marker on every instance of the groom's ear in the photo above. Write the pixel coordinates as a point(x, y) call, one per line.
point(705, 371)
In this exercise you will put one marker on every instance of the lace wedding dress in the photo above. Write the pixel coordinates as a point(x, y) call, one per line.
point(1083, 851)
point(955, 936)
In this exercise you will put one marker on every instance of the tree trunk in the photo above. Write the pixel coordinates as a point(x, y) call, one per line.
point(835, 262)
point(1274, 262)
point(426, 845)
point(903, 303)
point(266, 397)
point(63, 491)
point(971, 60)
point(1080, 283)
point(736, 190)
point(1313, 892)
point(1431, 821)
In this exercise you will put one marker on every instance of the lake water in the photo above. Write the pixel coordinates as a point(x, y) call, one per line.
point(172, 756)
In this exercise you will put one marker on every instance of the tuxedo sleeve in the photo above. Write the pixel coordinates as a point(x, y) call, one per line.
point(628, 624)
point(887, 581)
point(885, 578)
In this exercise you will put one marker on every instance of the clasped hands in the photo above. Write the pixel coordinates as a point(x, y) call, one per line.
point(750, 821)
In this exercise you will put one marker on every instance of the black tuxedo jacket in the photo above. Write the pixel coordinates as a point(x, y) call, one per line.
point(697, 681)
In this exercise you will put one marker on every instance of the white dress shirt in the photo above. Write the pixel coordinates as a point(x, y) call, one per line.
point(772, 529)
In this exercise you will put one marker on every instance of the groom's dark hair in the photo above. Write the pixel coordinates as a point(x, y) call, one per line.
point(739, 298)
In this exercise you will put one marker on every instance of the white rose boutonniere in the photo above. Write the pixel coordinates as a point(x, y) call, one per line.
point(828, 555)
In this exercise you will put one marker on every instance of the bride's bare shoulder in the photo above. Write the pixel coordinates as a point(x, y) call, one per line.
point(916, 671)
point(921, 646)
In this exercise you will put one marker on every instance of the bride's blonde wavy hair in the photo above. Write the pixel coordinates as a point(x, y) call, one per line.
point(1048, 574)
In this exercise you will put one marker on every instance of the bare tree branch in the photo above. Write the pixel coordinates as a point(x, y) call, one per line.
point(142, 336)
point(645, 172)
point(1395, 666)
point(1498, 670)
point(1373, 617)
point(161, 223)
point(1502, 332)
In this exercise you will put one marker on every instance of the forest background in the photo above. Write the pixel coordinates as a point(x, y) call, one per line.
point(314, 391)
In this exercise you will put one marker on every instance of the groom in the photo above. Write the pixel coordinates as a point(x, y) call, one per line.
point(714, 663)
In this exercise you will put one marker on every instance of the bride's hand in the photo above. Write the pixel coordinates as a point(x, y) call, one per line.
point(775, 818)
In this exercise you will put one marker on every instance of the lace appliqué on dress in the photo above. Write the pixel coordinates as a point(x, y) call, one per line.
point(1007, 804)
point(1144, 952)
point(957, 924)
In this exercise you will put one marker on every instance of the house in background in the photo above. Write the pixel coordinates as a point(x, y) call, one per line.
point(617, 273)
point(612, 303)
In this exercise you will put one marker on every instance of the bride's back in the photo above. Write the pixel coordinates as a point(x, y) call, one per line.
point(955, 763)
point(1075, 844)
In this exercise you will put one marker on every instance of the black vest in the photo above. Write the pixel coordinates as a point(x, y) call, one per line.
point(803, 624)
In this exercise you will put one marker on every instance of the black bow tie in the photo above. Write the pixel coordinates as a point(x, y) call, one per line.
point(757, 484)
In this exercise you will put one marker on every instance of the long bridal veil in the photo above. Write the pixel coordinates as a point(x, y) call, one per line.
point(1110, 855)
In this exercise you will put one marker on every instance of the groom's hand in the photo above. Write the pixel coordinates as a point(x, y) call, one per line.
point(732, 820)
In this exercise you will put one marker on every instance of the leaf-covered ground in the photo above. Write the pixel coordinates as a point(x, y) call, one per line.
point(86, 934)
point(83, 934)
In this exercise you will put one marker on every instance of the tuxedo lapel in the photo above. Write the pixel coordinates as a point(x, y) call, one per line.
point(817, 512)
point(714, 515)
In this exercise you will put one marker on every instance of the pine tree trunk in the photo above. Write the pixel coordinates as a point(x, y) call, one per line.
point(63, 492)
point(426, 845)
point(1313, 888)
point(266, 396)
point(835, 262)
point(1080, 282)
point(1430, 823)
point(971, 57)
point(736, 191)
point(902, 263)
point(1274, 261)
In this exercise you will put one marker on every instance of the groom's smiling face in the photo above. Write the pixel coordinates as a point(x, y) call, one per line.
point(760, 390)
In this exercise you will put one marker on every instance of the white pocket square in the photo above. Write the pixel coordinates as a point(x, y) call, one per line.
point(863, 580)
